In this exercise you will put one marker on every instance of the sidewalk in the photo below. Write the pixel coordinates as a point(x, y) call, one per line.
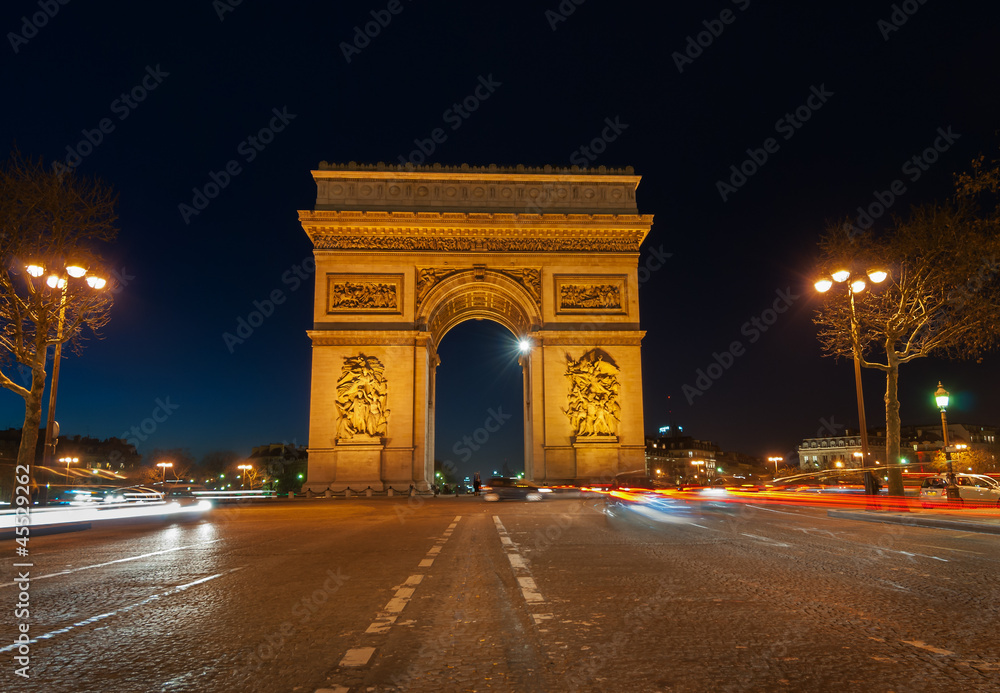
point(985, 524)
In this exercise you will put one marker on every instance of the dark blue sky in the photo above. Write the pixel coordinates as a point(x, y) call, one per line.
point(187, 282)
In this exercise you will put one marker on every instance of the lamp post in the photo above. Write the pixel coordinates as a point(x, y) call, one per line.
point(776, 460)
point(163, 466)
point(59, 279)
point(68, 460)
point(856, 284)
point(244, 469)
point(941, 398)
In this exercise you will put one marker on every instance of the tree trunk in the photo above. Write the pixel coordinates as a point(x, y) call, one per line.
point(26, 453)
point(892, 427)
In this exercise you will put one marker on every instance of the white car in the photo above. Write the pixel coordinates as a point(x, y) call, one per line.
point(972, 488)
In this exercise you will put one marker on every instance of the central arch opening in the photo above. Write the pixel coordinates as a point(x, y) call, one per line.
point(479, 404)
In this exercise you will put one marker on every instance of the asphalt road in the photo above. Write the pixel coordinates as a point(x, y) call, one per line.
point(462, 595)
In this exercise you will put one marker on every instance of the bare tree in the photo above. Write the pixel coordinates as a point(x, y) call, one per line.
point(50, 221)
point(941, 297)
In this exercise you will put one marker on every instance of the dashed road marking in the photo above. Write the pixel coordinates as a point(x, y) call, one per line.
point(530, 590)
point(517, 563)
point(357, 657)
point(924, 646)
point(360, 656)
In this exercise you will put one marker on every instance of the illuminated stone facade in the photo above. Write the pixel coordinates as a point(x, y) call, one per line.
point(403, 254)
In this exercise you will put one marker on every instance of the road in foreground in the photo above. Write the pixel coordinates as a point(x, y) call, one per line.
point(461, 595)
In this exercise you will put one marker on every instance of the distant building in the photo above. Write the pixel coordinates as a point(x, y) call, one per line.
point(918, 444)
point(679, 457)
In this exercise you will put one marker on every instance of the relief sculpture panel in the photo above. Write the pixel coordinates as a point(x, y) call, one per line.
point(364, 293)
point(592, 405)
point(362, 392)
point(600, 295)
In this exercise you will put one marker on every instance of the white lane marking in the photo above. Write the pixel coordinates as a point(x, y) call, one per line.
point(499, 524)
point(530, 590)
point(924, 646)
point(457, 518)
point(100, 617)
point(541, 617)
point(357, 657)
point(506, 541)
point(434, 551)
point(400, 599)
point(948, 548)
point(426, 563)
point(381, 624)
point(765, 539)
point(922, 555)
point(517, 561)
point(120, 560)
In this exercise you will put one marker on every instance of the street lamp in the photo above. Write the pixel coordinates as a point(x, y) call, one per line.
point(244, 468)
point(68, 460)
point(941, 398)
point(855, 285)
point(163, 466)
point(775, 460)
point(59, 279)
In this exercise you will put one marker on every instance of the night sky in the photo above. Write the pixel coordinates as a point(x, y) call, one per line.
point(875, 95)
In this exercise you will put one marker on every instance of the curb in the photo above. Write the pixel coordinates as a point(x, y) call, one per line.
point(929, 522)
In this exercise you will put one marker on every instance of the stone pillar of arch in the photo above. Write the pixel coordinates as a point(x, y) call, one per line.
point(403, 254)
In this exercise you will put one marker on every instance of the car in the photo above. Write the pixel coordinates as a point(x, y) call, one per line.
point(505, 488)
point(638, 496)
point(134, 494)
point(976, 489)
point(181, 492)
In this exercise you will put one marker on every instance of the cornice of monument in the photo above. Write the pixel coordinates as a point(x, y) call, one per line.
point(381, 168)
point(516, 189)
point(475, 231)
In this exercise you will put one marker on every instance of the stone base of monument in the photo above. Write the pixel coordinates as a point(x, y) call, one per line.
point(362, 455)
point(596, 456)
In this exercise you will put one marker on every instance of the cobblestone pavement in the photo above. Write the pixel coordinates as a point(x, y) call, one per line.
point(463, 595)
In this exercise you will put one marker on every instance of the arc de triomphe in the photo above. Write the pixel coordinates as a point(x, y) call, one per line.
point(403, 254)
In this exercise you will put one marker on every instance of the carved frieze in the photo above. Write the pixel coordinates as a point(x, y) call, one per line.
point(592, 404)
point(364, 293)
point(362, 392)
point(330, 241)
point(594, 294)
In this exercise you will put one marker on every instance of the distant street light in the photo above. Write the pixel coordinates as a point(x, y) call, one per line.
point(775, 460)
point(245, 468)
point(59, 279)
point(941, 398)
point(68, 460)
point(856, 285)
point(163, 466)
